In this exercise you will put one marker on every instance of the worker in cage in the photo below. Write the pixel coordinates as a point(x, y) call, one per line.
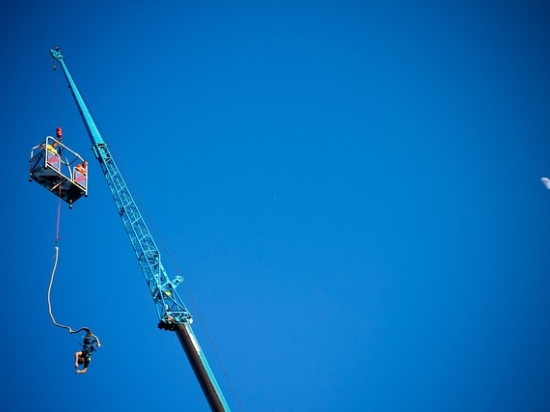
point(84, 356)
point(52, 155)
point(52, 147)
point(82, 167)
point(80, 171)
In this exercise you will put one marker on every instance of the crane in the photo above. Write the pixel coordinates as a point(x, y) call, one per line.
point(171, 311)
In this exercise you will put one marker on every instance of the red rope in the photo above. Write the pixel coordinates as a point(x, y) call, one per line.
point(57, 238)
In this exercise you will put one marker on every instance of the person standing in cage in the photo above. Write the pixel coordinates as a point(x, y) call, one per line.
point(59, 136)
point(82, 167)
point(79, 175)
point(84, 357)
point(52, 148)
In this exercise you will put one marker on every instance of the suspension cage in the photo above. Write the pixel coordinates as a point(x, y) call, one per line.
point(55, 167)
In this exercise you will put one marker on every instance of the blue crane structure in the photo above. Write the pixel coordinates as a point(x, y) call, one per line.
point(171, 311)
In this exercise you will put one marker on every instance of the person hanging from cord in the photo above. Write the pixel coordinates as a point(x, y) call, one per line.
point(84, 356)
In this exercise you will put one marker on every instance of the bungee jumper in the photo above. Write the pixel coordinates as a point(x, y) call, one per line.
point(84, 356)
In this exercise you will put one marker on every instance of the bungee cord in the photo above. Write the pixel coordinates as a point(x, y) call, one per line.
point(50, 302)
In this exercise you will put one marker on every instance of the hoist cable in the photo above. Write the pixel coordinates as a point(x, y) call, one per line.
point(213, 346)
point(56, 97)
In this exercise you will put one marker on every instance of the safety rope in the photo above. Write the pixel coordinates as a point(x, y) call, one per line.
point(58, 220)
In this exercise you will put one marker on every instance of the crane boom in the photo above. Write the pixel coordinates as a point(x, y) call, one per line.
point(171, 311)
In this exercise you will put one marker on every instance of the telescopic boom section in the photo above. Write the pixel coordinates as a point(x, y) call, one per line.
point(171, 311)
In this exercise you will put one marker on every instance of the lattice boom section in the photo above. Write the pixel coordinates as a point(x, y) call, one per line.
point(170, 307)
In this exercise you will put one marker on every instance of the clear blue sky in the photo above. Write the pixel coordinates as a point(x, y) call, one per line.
point(350, 189)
